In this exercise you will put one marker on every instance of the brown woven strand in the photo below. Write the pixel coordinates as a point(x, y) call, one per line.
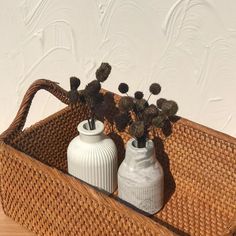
point(200, 182)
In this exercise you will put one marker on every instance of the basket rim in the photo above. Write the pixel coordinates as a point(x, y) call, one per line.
point(181, 121)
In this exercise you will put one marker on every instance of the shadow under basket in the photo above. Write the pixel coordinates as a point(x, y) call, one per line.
point(36, 191)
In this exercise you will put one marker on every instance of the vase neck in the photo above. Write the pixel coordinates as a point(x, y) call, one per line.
point(91, 136)
point(137, 158)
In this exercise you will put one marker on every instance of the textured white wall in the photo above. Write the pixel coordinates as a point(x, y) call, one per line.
point(188, 46)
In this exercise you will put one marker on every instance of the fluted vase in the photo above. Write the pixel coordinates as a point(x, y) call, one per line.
point(140, 178)
point(92, 157)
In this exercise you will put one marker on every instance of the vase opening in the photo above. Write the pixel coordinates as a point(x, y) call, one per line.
point(135, 144)
point(83, 128)
point(86, 126)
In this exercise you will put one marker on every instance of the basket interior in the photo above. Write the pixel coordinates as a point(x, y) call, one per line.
point(200, 168)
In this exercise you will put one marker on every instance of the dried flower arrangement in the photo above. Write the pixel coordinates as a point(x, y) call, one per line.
point(136, 113)
point(91, 95)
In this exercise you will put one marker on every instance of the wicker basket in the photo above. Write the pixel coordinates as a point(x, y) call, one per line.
point(37, 192)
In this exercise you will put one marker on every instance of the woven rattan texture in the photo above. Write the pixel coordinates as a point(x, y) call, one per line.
point(204, 170)
point(48, 202)
point(48, 141)
point(199, 166)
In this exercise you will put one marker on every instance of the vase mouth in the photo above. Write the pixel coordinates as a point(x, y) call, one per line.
point(133, 144)
point(83, 128)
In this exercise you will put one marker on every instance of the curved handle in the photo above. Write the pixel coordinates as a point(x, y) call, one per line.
point(20, 119)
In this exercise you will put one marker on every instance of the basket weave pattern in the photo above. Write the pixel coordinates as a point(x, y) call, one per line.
point(199, 166)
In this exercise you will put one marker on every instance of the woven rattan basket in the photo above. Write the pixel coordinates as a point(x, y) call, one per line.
point(37, 192)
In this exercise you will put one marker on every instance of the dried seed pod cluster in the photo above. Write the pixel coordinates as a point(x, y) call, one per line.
point(133, 112)
point(145, 115)
point(91, 94)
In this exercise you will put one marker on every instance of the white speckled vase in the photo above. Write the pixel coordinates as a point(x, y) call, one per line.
point(92, 157)
point(140, 178)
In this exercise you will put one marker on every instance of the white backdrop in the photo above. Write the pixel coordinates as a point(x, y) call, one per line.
point(188, 46)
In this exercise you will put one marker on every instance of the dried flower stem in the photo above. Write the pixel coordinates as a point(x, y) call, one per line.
point(93, 120)
point(139, 115)
point(149, 97)
point(141, 142)
point(90, 126)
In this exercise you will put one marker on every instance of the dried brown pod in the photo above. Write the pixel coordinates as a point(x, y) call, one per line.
point(137, 129)
point(103, 72)
point(155, 88)
point(74, 83)
point(98, 98)
point(138, 95)
point(170, 108)
point(92, 88)
point(73, 96)
point(140, 105)
point(123, 87)
point(126, 104)
point(109, 99)
point(150, 112)
point(93, 101)
point(158, 121)
point(122, 120)
point(82, 96)
point(160, 101)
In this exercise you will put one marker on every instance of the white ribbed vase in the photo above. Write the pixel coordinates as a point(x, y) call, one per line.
point(92, 157)
point(140, 178)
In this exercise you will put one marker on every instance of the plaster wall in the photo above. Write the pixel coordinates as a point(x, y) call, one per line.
point(188, 46)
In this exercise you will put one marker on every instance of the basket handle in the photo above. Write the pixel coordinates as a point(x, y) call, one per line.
point(20, 119)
